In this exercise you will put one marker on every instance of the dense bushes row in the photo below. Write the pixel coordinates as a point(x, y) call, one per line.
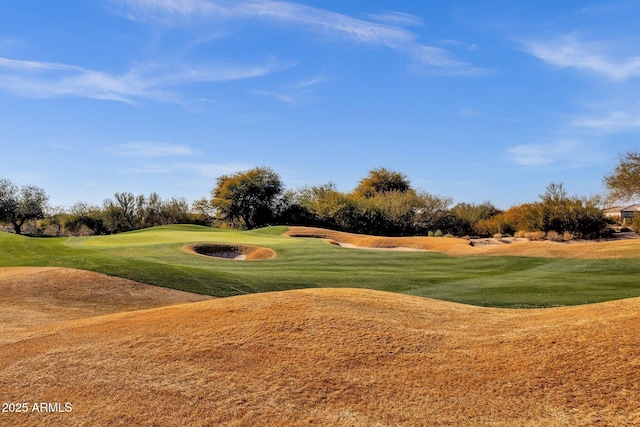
point(383, 203)
point(125, 212)
point(392, 212)
point(555, 214)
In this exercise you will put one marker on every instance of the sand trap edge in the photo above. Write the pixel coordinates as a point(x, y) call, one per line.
point(229, 251)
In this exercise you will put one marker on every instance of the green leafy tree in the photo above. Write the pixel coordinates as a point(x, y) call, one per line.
point(84, 219)
point(247, 199)
point(21, 204)
point(203, 212)
point(432, 213)
point(324, 203)
point(468, 215)
point(623, 184)
point(559, 212)
point(120, 214)
point(175, 211)
point(382, 180)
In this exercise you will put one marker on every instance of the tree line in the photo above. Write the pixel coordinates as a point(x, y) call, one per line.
point(382, 203)
point(27, 208)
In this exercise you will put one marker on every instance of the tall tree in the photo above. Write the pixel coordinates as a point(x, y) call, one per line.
point(382, 180)
point(247, 198)
point(121, 214)
point(21, 204)
point(623, 184)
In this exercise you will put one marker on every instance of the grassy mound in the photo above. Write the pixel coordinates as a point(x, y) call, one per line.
point(42, 295)
point(344, 357)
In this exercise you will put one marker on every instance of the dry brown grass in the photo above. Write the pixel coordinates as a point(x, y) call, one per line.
point(228, 251)
point(461, 247)
point(39, 296)
point(332, 357)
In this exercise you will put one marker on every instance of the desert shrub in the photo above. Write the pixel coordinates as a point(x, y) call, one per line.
point(397, 210)
point(582, 217)
point(635, 223)
point(289, 210)
point(467, 215)
point(431, 212)
point(523, 217)
point(324, 203)
point(566, 236)
point(30, 228)
point(83, 216)
point(497, 224)
point(555, 213)
point(535, 235)
point(554, 236)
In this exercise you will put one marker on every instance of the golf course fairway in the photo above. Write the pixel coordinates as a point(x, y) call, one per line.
point(157, 256)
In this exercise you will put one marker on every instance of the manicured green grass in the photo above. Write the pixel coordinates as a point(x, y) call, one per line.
point(155, 256)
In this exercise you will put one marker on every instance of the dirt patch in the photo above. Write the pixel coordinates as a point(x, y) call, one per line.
point(342, 357)
point(232, 252)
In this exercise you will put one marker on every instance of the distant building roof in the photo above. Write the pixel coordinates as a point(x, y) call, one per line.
point(632, 208)
point(614, 210)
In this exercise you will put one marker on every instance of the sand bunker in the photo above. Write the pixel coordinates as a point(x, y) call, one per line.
point(233, 252)
point(372, 248)
point(362, 241)
point(576, 249)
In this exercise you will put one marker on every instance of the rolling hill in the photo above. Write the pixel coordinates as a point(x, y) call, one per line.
point(351, 357)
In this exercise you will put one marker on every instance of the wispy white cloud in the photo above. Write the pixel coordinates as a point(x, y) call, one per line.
point(594, 57)
point(38, 79)
point(460, 44)
point(470, 112)
point(396, 18)
point(384, 33)
point(145, 8)
point(538, 155)
point(610, 122)
point(442, 61)
point(10, 44)
point(34, 66)
point(150, 149)
point(279, 96)
point(204, 170)
point(295, 92)
point(310, 18)
point(214, 170)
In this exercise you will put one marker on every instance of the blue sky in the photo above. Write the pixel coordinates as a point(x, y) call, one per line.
point(478, 101)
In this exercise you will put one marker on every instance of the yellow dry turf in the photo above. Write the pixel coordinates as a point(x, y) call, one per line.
point(334, 357)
